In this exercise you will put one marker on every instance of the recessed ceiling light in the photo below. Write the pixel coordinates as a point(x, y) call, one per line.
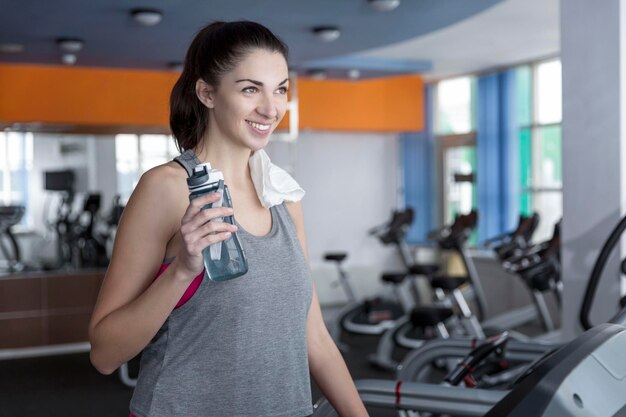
point(11, 48)
point(326, 33)
point(384, 5)
point(354, 74)
point(146, 17)
point(71, 45)
point(68, 59)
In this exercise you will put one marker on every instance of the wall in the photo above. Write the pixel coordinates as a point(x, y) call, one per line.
point(352, 185)
point(138, 101)
point(594, 151)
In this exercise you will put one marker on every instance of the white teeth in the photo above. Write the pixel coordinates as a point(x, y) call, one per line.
point(258, 125)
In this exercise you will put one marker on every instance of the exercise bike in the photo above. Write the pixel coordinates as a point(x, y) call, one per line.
point(375, 315)
point(450, 314)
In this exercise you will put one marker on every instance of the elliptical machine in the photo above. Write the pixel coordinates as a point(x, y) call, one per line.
point(450, 314)
point(375, 315)
point(9, 217)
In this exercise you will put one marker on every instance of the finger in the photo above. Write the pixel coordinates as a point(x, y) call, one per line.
point(214, 238)
point(213, 213)
point(196, 247)
point(204, 216)
point(197, 204)
point(193, 235)
point(213, 228)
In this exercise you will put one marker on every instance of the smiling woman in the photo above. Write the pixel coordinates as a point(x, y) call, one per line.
point(243, 346)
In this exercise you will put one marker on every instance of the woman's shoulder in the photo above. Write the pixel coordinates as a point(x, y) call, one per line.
point(168, 177)
point(164, 186)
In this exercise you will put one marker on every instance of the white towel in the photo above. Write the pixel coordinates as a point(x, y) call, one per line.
point(273, 184)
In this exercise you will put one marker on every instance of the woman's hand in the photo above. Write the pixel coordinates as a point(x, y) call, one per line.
point(198, 232)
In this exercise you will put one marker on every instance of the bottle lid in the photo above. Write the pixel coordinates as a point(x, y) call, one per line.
point(199, 177)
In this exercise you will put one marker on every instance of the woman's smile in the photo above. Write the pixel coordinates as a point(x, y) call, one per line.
point(259, 128)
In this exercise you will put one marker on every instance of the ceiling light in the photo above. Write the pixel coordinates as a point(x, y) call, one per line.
point(354, 74)
point(68, 59)
point(384, 5)
point(70, 45)
point(11, 48)
point(146, 17)
point(326, 33)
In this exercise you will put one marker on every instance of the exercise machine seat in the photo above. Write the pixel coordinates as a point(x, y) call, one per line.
point(424, 269)
point(428, 316)
point(338, 257)
point(448, 283)
point(394, 277)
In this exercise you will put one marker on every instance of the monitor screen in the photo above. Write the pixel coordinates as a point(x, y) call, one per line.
point(59, 180)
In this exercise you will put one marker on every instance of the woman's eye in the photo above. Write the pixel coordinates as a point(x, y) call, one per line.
point(282, 90)
point(249, 90)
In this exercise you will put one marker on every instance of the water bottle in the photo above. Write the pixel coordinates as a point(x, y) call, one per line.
point(226, 259)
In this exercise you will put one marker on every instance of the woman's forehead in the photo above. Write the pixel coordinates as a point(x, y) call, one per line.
point(262, 63)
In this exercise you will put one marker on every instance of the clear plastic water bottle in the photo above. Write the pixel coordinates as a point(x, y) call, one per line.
point(226, 259)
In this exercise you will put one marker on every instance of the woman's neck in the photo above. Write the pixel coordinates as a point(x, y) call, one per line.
point(232, 160)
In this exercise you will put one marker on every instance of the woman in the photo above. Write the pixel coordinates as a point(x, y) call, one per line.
point(233, 348)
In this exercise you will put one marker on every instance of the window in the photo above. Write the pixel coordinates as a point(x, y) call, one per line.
point(456, 139)
point(135, 154)
point(16, 161)
point(455, 106)
point(539, 115)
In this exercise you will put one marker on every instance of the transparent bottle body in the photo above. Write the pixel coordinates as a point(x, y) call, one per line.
point(224, 260)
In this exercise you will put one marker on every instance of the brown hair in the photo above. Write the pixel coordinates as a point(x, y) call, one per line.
point(215, 50)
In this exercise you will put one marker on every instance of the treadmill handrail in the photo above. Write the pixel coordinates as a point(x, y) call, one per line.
point(596, 273)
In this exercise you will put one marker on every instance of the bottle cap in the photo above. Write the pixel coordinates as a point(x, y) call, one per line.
point(199, 177)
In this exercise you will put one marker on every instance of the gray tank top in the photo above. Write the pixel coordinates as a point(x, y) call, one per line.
point(238, 347)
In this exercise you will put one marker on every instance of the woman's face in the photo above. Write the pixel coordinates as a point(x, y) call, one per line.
point(251, 99)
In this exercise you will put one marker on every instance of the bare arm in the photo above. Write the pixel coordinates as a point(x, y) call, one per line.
point(325, 361)
point(131, 307)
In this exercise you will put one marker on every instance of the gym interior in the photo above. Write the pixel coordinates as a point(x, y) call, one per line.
point(462, 163)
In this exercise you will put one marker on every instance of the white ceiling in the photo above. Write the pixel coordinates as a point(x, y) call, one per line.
point(511, 32)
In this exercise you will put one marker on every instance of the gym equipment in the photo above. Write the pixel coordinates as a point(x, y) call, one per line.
point(510, 244)
point(79, 242)
point(452, 315)
point(417, 364)
point(539, 267)
point(91, 245)
point(450, 310)
point(374, 316)
point(586, 377)
point(9, 217)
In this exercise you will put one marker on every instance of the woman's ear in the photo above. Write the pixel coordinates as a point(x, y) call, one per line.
point(204, 92)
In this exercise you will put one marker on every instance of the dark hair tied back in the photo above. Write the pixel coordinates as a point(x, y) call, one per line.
point(214, 51)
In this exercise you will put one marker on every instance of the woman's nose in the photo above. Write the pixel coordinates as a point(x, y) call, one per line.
point(268, 107)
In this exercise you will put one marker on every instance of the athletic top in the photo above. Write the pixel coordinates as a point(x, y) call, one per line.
point(236, 348)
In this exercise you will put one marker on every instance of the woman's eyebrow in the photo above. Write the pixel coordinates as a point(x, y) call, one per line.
point(259, 83)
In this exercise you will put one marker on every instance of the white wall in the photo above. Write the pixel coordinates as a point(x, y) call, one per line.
point(351, 181)
point(594, 151)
